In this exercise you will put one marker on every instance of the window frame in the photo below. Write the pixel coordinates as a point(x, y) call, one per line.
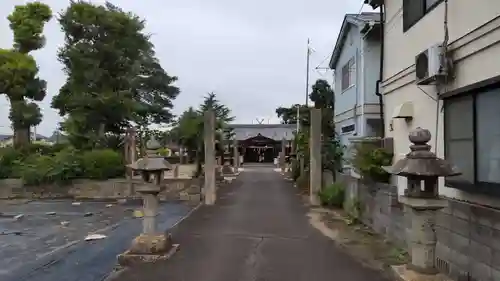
point(477, 186)
point(351, 82)
point(408, 26)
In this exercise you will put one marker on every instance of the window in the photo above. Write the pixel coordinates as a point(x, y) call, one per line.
point(348, 74)
point(414, 10)
point(472, 140)
point(347, 129)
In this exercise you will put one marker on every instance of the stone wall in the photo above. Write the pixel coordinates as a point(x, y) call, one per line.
point(468, 235)
point(175, 189)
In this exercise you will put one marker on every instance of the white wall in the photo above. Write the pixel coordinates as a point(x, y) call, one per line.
point(476, 54)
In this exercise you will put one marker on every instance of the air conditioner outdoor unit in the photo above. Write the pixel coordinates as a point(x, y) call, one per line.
point(374, 3)
point(428, 65)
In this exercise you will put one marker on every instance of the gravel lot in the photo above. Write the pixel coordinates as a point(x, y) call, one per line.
point(47, 243)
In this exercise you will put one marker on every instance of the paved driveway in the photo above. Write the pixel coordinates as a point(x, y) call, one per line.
point(257, 231)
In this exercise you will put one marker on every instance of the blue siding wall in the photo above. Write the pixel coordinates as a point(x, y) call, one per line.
point(346, 100)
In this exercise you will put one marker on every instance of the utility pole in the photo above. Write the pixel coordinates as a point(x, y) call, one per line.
point(298, 117)
point(307, 71)
point(307, 84)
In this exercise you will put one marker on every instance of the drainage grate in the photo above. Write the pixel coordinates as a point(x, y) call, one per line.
point(443, 266)
point(466, 277)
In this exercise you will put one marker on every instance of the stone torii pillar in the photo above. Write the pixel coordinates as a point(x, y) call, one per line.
point(282, 161)
point(236, 155)
point(315, 166)
point(209, 135)
point(130, 156)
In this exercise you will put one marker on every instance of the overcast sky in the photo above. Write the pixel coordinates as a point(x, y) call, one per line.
point(250, 53)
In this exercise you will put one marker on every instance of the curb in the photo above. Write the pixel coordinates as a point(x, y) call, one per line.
point(383, 268)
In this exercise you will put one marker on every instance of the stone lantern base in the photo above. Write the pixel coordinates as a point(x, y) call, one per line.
point(227, 169)
point(402, 273)
point(422, 234)
point(148, 248)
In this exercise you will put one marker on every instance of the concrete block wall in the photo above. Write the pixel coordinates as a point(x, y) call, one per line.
point(468, 245)
point(380, 208)
point(468, 235)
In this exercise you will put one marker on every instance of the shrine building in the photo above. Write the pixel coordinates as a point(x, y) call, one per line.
point(262, 142)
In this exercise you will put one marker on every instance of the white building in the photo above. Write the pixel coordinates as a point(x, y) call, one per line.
point(464, 116)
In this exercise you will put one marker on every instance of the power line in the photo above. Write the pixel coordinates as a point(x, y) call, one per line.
point(360, 9)
point(330, 54)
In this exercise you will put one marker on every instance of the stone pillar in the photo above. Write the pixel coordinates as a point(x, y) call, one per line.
point(315, 157)
point(150, 213)
point(181, 155)
point(209, 135)
point(236, 155)
point(130, 157)
point(283, 155)
point(176, 171)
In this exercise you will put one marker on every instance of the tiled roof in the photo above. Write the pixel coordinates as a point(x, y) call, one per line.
point(272, 131)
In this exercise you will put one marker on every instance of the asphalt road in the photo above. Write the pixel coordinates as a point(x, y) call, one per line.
point(258, 230)
point(38, 247)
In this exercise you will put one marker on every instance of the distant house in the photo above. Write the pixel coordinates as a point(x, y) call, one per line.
point(356, 62)
point(7, 140)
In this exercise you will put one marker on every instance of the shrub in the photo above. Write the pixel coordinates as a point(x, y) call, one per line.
point(9, 158)
point(102, 164)
point(354, 210)
point(332, 196)
point(369, 160)
point(43, 149)
point(39, 169)
point(164, 152)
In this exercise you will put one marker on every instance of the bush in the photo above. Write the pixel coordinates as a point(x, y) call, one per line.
point(332, 196)
point(369, 160)
point(102, 164)
point(164, 152)
point(41, 164)
point(9, 158)
point(39, 169)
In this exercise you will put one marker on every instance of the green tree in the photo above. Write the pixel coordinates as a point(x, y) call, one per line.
point(324, 98)
point(188, 128)
point(188, 131)
point(18, 69)
point(153, 92)
point(288, 115)
point(113, 78)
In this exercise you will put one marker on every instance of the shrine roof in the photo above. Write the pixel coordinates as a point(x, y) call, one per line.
point(272, 131)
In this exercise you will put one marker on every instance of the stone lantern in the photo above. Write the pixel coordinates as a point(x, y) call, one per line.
point(421, 198)
point(226, 166)
point(150, 245)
